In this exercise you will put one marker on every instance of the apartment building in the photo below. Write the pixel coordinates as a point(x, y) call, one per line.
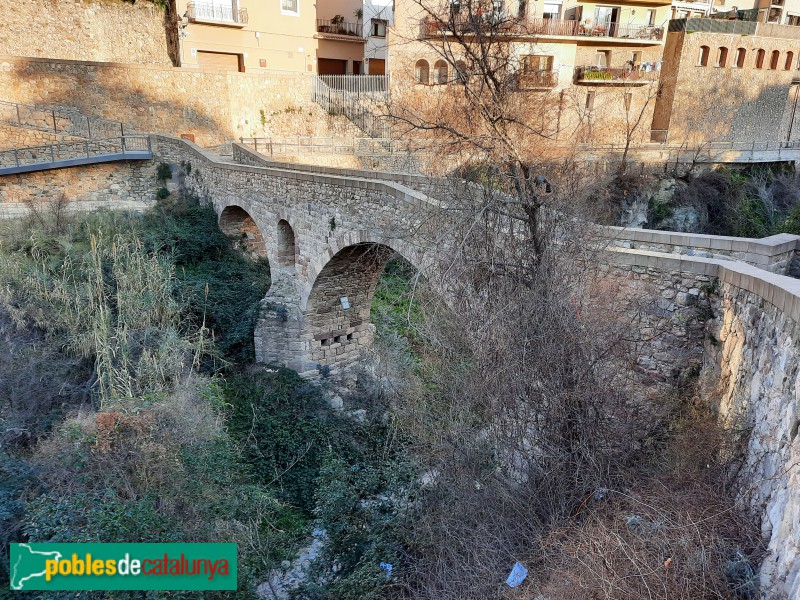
point(580, 57)
point(326, 37)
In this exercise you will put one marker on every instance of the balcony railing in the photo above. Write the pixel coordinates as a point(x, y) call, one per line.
point(201, 11)
point(635, 75)
point(338, 27)
point(538, 79)
point(494, 23)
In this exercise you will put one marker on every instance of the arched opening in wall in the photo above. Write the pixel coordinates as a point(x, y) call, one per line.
point(741, 54)
point(287, 248)
point(440, 72)
point(236, 222)
point(702, 60)
point(339, 307)
point(776, 56)
point(789, 61)
point(422, 72)
point(760, 54)
point(722, 56)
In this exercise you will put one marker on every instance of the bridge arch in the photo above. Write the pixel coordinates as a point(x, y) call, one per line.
point(338, 297)
point(236, 222)
point(287, 245)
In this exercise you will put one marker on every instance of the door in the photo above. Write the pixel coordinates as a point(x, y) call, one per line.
point(606, 20)
point(331, 66)
point(219, 61)
point(377, 66)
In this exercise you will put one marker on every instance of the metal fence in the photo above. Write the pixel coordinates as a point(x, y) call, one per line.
point(54, 155)
point(360, 98)
point(58, 121)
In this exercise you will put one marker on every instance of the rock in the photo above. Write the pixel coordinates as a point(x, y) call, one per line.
point(336, 403)
point(360, 415)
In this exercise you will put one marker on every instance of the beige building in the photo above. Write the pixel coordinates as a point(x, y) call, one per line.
point(325, 37)
point(593, 64)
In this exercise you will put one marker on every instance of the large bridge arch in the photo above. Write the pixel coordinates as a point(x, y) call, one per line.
point(337, 299)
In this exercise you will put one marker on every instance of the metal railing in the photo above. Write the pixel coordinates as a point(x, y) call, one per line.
point(79, 152)
point(360, 98)
point(538, 79)
point(357, 146)
point(58, 121)
point(339, 27)
point(593, 74)
point(203, 11)
point(479, 23)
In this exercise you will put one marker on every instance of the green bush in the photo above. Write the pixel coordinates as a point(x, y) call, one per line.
point(162, 193)
point(163, 172)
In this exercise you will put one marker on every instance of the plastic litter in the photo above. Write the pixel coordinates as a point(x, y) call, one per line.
point(517, 575)
point(388, 568)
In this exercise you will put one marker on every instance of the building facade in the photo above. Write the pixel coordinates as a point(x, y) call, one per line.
point(332, 37)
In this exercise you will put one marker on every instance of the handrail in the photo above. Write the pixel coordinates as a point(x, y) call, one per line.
point(35, 158)
point(58, 121)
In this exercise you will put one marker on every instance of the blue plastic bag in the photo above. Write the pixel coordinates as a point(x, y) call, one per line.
point(517, 575)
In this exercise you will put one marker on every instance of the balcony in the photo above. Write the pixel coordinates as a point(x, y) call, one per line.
point(641, 75)
point(217, 14)
point(538, 80)
point(339, 30)
point(492, 23)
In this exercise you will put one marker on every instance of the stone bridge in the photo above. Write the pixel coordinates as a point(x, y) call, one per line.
point(327, 238)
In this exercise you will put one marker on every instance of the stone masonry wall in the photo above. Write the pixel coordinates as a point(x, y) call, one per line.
point(19, 137)
point(133, 181)
point(112, 31)
point(214, 107)
point(749, 104)
point(753, 370)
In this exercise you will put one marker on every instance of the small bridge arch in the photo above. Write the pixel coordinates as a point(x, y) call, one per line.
point(236, 222)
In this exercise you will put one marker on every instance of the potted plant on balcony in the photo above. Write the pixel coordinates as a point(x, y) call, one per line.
point(337, 23)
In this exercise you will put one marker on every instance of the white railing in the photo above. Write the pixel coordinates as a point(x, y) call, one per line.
point(357, 97)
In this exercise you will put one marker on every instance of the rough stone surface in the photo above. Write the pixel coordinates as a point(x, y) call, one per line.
point(754, 373)
point(85, 30)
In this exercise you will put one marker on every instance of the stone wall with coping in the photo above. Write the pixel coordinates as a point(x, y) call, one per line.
point(128, 181)
point(776, 253)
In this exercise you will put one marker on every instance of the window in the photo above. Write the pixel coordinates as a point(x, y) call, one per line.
point(522, 9)
point(787, 66)
point(379, 27)
point(551, 11)
point(290, 7)
point(589, 100)
point(741, 53)
point(460, 74)
point(722, 56)
point(636, 58)
point(760, 58)
point(776, 56)
point(422, 72)
point(651, 18)
point(628, 97)
point(536, 63)
point(603, 58)
point(793, 20)
point(440, 72)
point(455, 6)
point(702, 60)
point(774, 15)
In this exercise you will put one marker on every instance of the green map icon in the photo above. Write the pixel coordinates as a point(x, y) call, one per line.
point(27, 564)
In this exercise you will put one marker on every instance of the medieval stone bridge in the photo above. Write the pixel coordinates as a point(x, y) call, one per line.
point(327, 237)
